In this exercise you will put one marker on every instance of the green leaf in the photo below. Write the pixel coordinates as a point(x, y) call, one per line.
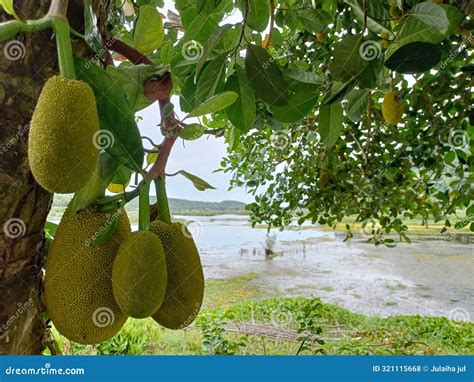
point(210, 45)
point(241, 113)
point(431, 14)
point(359, 13)
point(122, 175)
point(370, 77)
point(330, 123)
point(201, 28)
point(50, 229)
point(213, 104)
point(92, 34)
point(192, 132)
point(200, 184)
point(302, 99)
point(187, 96)
point(348, 61)
point(357, 104)
point(149, 32)
point(340, 90)
point(265, 76)
point(454, 15)
point(449, 157)
point(9, 8)
point(311, 20)
point(207, 7)
point(209, 78)
point(416, 57)
point(257, 14)
point(131, 79)
point(303, 76)
point(414, 30)
point(121, 137)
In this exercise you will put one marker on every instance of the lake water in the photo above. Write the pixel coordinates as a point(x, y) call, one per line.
point(428, 277)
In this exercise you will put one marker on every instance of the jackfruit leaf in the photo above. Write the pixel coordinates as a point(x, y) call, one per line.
point(192, 132)
point(91, 33)
point(454, 15)
point(241, 113)
point(330, 123)
point(257, 15)
point(314, 20)
point(95, 187)
point(188, 91)
point(207, 7)
point(302, 99)
point(213, 104)
point(340, 90)
point(359, 13)
point(201, 28)
point(416, 57)
point(131, 79)
point(106, 232)
point(356, 105)
point(348, 61)
point(149, 32)
point(121, 137)
point(265, 76)
point(209, 78)
point(122, 175)
point(431, 14)
point(303, 76)
point(200, 184)
point(210, 45)
point(7, 6)
point(151, 157)
point(413, 30)
point(369, 78)
point(50, 229)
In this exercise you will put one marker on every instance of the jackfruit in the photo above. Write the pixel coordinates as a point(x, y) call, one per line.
point(78, 281)
point(139, 275)
point(185, 287)
point(392, 108)
point(61, 149)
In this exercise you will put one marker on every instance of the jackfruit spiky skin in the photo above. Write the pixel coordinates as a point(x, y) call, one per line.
point(61, 148)
point(392, 108)
point(185, 288)
point(78, 281)
point(139, 275)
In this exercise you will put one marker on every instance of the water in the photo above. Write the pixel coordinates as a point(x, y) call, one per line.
point(429, 277)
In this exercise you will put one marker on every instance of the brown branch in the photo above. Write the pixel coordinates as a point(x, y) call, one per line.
point(156, 89)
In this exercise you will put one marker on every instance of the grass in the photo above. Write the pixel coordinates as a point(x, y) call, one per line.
point(239, 302)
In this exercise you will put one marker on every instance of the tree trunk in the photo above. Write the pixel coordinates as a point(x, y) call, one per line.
point(26, 62)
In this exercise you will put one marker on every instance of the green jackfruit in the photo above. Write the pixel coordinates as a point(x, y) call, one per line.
point(185, 288)
point(61, 148)
point(78, 282)
point(139, 275)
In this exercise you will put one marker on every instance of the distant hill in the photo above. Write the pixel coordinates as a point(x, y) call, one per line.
point(177, 206)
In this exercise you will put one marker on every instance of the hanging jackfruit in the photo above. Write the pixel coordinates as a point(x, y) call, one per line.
point(61, 149)
point(139, 274)
point(185, 287)
point(392, 108)
point(78, 281)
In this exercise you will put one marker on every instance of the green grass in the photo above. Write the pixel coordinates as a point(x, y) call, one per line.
point(239, 301)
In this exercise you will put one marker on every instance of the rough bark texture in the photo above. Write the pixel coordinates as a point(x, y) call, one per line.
point(26, 62)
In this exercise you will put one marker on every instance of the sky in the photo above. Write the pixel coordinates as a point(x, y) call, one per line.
point(201, 157)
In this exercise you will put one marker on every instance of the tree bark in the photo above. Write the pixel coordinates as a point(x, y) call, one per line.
point(26, 62)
